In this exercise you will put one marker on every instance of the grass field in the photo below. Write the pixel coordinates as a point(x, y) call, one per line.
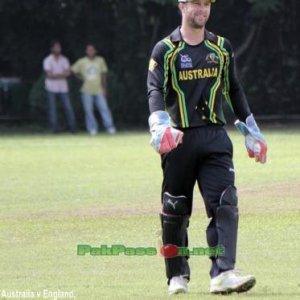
point(60, 191)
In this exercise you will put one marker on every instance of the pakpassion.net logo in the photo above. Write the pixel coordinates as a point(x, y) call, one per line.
point(167, 251)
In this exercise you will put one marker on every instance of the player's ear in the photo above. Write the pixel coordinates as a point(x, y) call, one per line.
point(181, 7)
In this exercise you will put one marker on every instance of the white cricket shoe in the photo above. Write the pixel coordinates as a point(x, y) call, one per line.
point(178, 285)
point(231, 281)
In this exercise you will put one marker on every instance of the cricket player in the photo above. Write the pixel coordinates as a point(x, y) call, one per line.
point(190, 73)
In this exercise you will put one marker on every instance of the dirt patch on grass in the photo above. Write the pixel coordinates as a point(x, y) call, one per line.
point(274, 190)
point(105, 211)
point(96, 211)
point(272, 198)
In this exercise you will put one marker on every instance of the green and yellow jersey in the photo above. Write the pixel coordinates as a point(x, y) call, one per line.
point(191, 82)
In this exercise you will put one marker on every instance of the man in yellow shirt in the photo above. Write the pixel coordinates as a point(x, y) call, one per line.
point(92, 69)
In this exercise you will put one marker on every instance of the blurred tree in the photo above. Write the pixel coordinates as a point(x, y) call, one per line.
point(263, 33)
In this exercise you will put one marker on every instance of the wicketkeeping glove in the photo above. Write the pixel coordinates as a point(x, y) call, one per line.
point(254, 139)
point(164, 138)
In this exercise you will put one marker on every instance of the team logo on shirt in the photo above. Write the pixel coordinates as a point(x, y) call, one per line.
point(91, 72)
point(186, 61)
point(212, 58)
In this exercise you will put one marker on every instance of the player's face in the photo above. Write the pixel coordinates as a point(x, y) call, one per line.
point(56, 49)
point(196, 13)
point(91, 51)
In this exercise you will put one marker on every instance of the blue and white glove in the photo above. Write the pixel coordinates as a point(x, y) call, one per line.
point(254, 139)
point(164, 138)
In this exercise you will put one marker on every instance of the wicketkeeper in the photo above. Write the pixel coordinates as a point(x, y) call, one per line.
point(191, 73)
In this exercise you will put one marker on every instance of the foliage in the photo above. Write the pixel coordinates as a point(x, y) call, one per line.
point(125, 31)
point(266, 7)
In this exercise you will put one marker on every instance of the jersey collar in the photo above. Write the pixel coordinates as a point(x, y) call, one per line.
point(176, 35)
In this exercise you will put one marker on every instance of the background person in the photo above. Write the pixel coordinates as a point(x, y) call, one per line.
point(92, 69)
point(57, 69)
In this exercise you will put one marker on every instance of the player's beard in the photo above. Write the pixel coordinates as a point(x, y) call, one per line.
point(197, 23)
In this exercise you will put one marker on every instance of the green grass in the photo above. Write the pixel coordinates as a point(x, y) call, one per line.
point(60, 191)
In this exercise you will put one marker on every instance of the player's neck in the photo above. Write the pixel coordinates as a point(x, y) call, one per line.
point(192, 36)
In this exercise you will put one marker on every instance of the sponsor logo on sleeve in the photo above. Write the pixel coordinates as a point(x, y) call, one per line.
point(152, 65)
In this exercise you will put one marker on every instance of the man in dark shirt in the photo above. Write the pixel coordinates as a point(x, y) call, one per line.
point(190, 73)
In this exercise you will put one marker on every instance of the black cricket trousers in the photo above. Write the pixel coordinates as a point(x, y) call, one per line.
point(204, 156)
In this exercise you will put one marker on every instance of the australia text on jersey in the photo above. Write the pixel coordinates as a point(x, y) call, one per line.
point(198, 74)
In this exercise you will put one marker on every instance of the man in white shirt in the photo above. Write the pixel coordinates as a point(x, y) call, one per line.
point(57, 69)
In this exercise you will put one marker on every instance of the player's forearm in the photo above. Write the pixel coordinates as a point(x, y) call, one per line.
point(237, 95)
point(240, 104)
point(156, 101)
point(236, 92)
point(155, 92)
point(157, 78)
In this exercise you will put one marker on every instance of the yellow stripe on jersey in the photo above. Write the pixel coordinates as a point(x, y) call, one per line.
point(167, 57)
point(217, 84)
point(180, 94)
